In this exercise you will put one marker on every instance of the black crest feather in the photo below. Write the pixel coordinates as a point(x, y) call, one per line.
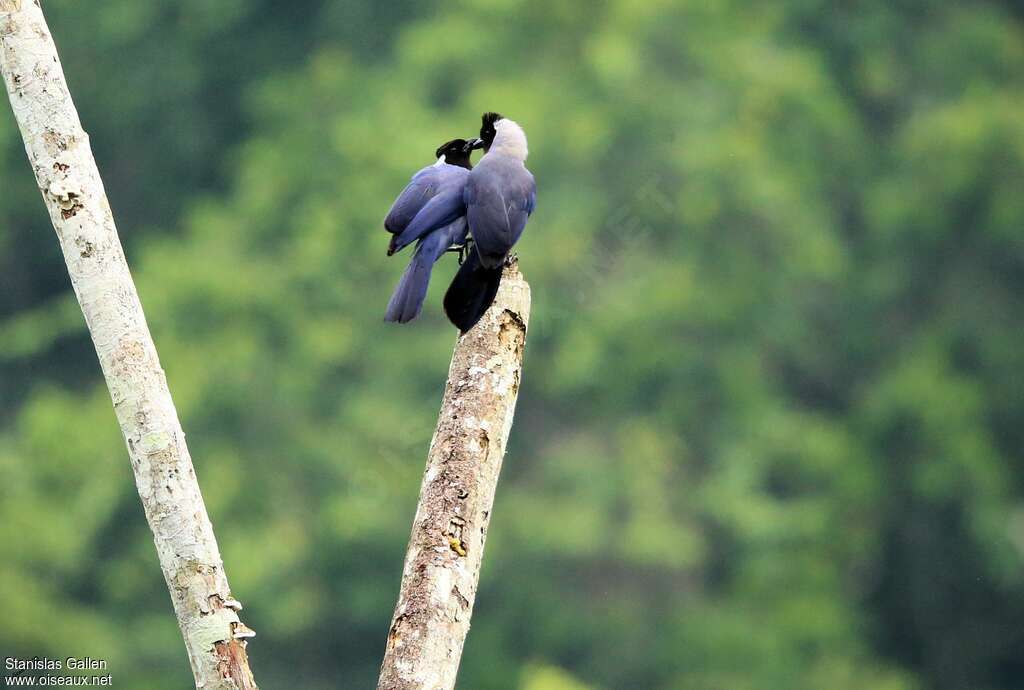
point(487, 129)
point(491, 118)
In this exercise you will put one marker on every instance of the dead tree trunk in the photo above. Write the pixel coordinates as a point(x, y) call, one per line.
point(442, 565)
point(66, 172)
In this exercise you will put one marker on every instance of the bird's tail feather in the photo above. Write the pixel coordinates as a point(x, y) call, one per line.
point(407, 300)
point(472, 291)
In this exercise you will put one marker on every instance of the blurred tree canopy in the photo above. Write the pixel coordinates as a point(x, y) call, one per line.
point(770, 428)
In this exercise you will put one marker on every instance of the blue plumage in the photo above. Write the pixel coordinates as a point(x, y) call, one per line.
point(447, 201)
point(407, 300)
point(500, 195)
point(499, 198)
point(418, 192)
point(430, 209)
point(444, 207)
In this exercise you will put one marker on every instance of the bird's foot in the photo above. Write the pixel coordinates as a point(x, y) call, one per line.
point(466, 249)
point(459, 249)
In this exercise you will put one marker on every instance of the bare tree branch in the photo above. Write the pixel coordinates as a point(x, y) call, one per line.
point(66, 172)
point(442, 565)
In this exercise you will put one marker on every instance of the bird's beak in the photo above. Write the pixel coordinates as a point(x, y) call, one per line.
point(474, 144)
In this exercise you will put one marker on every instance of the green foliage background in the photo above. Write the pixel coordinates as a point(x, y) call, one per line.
point(770, 429)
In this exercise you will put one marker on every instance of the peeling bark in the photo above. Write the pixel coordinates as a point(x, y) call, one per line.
point(442, 564)
point(61, 158)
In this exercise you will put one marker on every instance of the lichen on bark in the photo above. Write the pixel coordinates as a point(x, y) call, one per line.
point(69, 182)
point(442, 565)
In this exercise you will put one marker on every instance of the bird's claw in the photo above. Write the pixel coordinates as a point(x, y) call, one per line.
point(459, 249)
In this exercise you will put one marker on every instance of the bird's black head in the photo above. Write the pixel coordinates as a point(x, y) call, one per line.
point(487, 129)
point(457, 151)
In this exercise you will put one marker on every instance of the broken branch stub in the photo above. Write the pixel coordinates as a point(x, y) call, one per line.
point(442, 565)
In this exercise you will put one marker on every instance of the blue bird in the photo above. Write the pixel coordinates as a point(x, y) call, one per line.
point(430, 209)
point(500, 194)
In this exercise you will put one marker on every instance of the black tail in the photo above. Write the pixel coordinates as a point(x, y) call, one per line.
point(471, 292)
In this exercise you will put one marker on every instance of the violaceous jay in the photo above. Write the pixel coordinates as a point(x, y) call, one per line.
point(499, 196)
point(430, 209)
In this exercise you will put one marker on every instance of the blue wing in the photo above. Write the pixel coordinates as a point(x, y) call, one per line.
point(442, 209)
point(499, 200)
point(417, 193)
